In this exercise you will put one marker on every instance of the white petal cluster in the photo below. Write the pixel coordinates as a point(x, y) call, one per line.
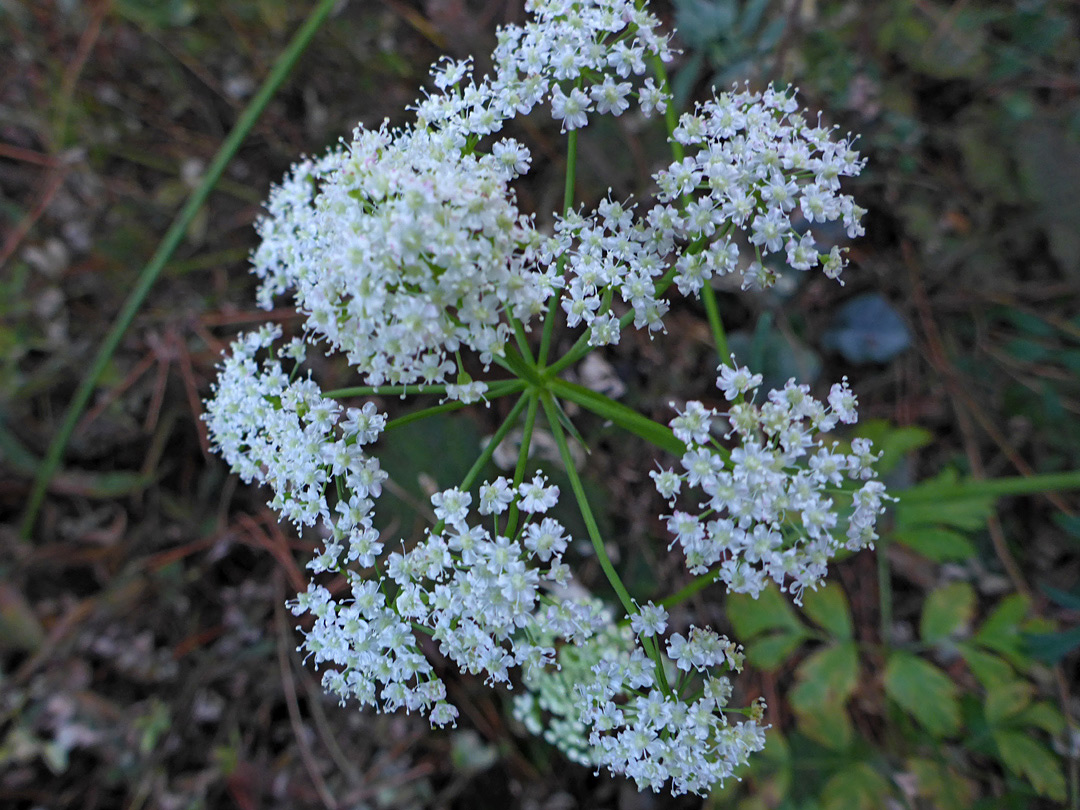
point(580, 55)
point(760, 171)
point(776, 502)
point(404, 248)
point(284, 433)
point(401, 249)
point(603, 707)
point(482, 597)
point(758, 179)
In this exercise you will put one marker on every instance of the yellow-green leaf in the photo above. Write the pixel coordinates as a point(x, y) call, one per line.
point(828, 675)
point(936, 543)
point(991, 670)
point(1030, 760)
point(1007, 700)
point(945, 788)
point(856, 787)
point(924, 692)
point(827, 723)
point(828, 607)
point(770, 611)
point(770, 651)
point(1042, 715)
point(947, 610)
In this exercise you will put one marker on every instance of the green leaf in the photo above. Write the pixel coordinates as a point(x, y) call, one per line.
point(936, 543)
point(924, 692)
point(770, 651)
point(1051, 647)
point(945, 788)
point(968, 512)
point(991, 670)
point(1001, 630)
point(828, 675)
point(1030, 760)
point(770, 611)
point(892, 442)
point(1007, 700)
point(826, 723)
point(947, 610)
point(1042, 715)
point(828, 607)
point(856, 787)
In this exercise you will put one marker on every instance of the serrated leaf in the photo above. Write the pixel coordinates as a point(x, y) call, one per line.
point(936, 543)
point(947, 610)
point(770, 651)
point(990, 670)
point(770, 611)
point(1030, 760)
point(1001, 630)
point(924, 692)
point(856, 787)
point(942, 785)
point(827, 723)
point(828, 675)
point(1042, 715)
point(1007, 700)
point(829, 607)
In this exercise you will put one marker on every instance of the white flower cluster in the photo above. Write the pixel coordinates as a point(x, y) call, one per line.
point(580, 54)
point(284, 433)
point(772, 506)
point(481, 597)
point(401, 249)
point(759, 175)
point(404, 248)
point(757, 163)
point(603, 707)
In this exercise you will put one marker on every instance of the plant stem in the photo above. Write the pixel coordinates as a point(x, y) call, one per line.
point(627, 418)
point(498, 388)
point(647, 642)
point(568, 202)
point(523, 458)
point(583, 505)
point(493, 445)
point(166, 248)
point(708, 297)
point(688, 590)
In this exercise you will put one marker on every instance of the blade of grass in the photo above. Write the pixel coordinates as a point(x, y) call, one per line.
point(169, 243)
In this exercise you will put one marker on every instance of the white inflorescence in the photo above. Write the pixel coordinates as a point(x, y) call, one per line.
point(772, 504)
point(405, 247)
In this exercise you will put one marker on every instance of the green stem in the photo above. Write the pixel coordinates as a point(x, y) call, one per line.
point(648, 643)
point(498, 388)
point(166, 248)
point(522, 340)
point(992, 487)
point(688, 590)
point(423, 413)
point(583, 504)
point(708, 297)
point(627, 418)
point(493, 445)
point(568, 202)
point(523, 459)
